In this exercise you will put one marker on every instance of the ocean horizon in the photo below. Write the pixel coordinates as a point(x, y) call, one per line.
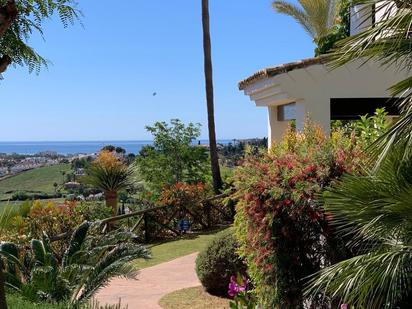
point(78, 147)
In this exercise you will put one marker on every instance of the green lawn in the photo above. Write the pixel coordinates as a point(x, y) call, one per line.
point(39, 179)
point(171, 250)
point(193, 298)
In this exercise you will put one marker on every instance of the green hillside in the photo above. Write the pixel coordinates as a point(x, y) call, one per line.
point(39, 179)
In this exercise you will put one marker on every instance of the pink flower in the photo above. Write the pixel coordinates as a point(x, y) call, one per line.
point(344, 306)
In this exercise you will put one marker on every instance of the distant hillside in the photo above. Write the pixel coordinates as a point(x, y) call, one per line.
point(38, 180)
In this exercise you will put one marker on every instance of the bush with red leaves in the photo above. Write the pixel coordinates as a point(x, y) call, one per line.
point(283, 231)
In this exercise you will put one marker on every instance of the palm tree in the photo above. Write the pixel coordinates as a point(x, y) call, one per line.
point(376, 211)
point(88, 264)
point(207, 49)
point(111, 175)
point(317, 17)
point(388, 43)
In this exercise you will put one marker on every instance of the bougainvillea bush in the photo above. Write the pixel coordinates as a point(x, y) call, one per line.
point(284, 233)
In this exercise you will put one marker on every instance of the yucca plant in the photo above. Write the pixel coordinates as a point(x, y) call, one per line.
point(88, 264)
point(111, 175)
point(375, 212)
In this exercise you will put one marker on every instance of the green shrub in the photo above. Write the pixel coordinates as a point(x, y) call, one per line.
point(283, 232)
point(94, 210)
point(220, 261)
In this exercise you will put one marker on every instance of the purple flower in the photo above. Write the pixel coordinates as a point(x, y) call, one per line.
point(344, 306)
point(235, 287)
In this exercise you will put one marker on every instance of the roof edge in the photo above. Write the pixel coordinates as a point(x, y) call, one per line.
point(280, 69)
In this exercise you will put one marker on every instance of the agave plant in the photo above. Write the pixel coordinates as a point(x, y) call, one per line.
point(375, 210)
point(111, 175)
point(88, 264)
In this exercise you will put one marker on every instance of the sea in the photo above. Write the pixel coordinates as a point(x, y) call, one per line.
point(78, 147)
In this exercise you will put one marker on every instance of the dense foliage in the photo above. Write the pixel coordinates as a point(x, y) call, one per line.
point(90, 260)
point(218, 263)
point(51, 218)
point(375, 210)
point(231, 154)
point(339, 31)
point(284, 234)
point(367, 129)
point(173, 157)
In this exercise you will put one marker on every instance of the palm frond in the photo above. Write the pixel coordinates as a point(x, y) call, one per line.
point(374, 210)
point(389, 44)
point(114, 263)
point(317, 17)
point(375, 280)
point(297, 13)
point(76, 242)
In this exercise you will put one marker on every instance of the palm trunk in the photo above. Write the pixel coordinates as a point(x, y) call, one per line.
point(207, 49)
point(111, 201)
point(3, 303)
point(8, 14)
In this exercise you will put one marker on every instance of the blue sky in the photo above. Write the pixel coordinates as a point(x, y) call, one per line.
point(100, 83)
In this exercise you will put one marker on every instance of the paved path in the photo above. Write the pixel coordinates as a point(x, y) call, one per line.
point(152, 283)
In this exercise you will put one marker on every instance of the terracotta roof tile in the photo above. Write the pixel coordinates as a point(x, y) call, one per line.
point(279, 69)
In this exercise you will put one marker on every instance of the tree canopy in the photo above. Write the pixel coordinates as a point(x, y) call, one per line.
point(173, 157)
point(19, 19)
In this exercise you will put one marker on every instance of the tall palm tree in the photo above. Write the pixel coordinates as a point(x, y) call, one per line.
point(317, 17)
point(388, 43)
point(207, 49)
point(376, 211)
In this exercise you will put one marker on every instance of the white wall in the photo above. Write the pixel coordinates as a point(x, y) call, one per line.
point(360, 18)
point(313, 87)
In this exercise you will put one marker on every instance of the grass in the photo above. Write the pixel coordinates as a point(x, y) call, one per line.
point(16, 302)
point(171, 250)
point(40, 179)
point(193, 298)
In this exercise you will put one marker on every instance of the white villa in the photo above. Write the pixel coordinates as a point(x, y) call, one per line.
point(309, 88)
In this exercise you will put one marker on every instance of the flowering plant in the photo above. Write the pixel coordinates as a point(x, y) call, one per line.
point(186, 197)
point(240, 293)
point(283, 231)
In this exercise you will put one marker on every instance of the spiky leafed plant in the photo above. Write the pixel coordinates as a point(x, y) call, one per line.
point(388, 43)
point(317, 17)
point(90, 261)
point(19, 19)
point(111, 175)
point(376, 212)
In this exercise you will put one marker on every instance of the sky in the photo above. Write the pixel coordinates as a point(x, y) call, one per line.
point(102, 76)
